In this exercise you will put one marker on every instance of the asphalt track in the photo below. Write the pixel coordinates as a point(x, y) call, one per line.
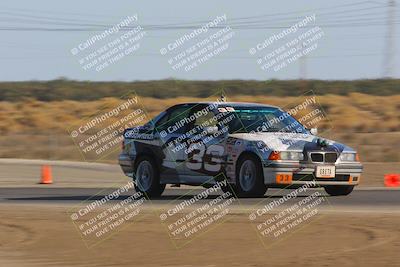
point(83, 182)
point(373, 199)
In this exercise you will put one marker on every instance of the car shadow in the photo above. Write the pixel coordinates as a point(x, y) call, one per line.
point(170, 198)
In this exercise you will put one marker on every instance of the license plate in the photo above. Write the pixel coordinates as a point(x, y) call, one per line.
point(325, 171)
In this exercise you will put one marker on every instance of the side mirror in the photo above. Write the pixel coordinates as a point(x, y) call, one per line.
point(314, 131)
point(149, 127)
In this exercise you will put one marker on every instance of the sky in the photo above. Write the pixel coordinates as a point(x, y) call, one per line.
point(38, 37)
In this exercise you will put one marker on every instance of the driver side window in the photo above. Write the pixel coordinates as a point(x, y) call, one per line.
point(171, 122)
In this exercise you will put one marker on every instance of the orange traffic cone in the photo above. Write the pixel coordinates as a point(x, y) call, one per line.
point(392, 180)
point(46, 175)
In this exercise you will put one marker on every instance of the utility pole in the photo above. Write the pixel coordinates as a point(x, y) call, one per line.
point(303, 71)
point(390, 46)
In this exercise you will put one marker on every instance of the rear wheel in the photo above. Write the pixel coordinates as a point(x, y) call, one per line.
point(249, 178)
point(148, 177)
point(339, 190)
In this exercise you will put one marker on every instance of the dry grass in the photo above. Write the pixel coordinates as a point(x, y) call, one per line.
point(355, 113)
point(46, 124)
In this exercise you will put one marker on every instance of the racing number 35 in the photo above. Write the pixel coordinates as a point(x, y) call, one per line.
point(209, 158)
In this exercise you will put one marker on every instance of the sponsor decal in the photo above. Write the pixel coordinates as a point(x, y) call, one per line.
point(133, 134)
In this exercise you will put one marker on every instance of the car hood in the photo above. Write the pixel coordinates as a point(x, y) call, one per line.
point(279, 141)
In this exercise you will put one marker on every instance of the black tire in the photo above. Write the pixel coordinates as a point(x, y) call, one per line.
point(253, 186)
point(339, 190)
point(231, 188)
point(149, 183)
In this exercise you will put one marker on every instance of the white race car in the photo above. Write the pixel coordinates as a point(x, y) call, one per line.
point(250, 146)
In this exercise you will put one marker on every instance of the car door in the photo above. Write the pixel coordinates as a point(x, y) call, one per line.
point(205, 153)
point(169, 130)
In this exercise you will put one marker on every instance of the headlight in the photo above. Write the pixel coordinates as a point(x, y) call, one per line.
point(348, 157)
point(291, 155)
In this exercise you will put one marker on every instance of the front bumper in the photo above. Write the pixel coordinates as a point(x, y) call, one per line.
point(299, 174)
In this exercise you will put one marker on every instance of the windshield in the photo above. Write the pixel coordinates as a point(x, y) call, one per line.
point(264, 119)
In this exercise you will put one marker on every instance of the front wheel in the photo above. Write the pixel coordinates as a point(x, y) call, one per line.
point(339, 190)
point(148, 178)
point(249, 178)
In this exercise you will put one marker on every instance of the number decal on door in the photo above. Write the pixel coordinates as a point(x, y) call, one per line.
point(209, 159)
point(213, 164)
point(197, 151)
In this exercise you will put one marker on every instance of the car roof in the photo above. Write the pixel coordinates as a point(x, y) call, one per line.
point(231, 104)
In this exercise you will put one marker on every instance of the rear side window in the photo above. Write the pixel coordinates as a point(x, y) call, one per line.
point(206, 120)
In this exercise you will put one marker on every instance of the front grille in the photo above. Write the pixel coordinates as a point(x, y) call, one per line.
point(317, 157)
point(329, 157)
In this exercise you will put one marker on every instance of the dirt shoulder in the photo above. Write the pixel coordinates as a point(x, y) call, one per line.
point(41, 235)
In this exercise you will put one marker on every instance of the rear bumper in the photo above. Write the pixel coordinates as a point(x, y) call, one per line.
point(299, 174)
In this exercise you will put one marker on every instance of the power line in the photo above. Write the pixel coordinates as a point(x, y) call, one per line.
point(199, 21)
point(244, 27)
point(237, 23)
